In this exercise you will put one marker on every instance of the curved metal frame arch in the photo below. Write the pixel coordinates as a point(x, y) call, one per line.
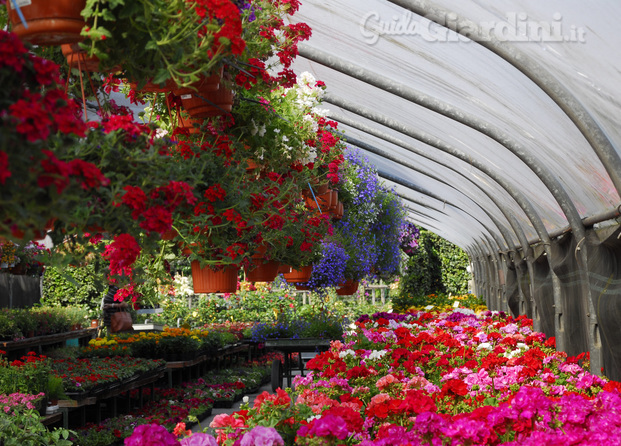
point(370, 148)
point(517, 229)
point(524, 203)
point(453, 113)
point(400, 181)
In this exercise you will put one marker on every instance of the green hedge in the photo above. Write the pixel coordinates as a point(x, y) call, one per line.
point(73, 286)
point(437, 267)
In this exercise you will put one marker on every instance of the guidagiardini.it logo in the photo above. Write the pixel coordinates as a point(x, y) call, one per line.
point(517, 27)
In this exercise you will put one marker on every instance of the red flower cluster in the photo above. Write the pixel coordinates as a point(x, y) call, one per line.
point(122, 253)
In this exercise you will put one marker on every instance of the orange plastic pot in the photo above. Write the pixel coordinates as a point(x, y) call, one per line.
point(299, 275)
point(262, 271)
point(50, 22)
point(208, 280)
point(78, 58)
point(347, 288)
point(208, 104)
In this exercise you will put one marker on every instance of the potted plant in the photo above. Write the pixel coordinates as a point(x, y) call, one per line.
point(55, 390)
point(162, 40)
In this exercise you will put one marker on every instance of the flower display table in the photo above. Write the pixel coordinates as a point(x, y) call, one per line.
point(17, 348)
point(288, 347)
point(109, 392)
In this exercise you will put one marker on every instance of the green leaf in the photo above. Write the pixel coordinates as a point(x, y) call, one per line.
point(161, 76)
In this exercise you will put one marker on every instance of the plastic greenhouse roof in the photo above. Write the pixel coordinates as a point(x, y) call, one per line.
point(501, 134)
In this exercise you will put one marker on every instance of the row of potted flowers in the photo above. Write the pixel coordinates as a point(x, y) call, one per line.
point(448, 377)
point(179, 406)
point(20, 323)
point(172, 344)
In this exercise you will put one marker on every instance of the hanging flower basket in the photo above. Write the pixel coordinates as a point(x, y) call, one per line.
point(348, 288)
point(206, 97)
point(188, 125)
point(207, 280)
point(262, 271)
point(334, 202)
point(299, 275)
point(208, 104)
point(324, 200)
point(50, 22)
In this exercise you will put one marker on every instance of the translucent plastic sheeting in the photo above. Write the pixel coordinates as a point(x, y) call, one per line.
point(586, 62)
point(470, 78)
point(464, 178)
point(458, 202)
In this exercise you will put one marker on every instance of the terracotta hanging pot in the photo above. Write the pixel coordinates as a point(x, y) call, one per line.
point(324, 200)
point(262, 271)
point(284, 269)
point(50, 22)
point(206, 98)
point(191, 125)
point(338, 212)
point(206, 84)
point(208, 104)
point(347, 288)
point(170, 234)
point(299, 275)
point(207, 280)
point(334, 201)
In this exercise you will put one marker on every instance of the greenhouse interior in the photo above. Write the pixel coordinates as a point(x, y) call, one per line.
point(309, 222)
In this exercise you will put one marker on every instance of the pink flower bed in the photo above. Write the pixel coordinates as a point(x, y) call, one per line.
point(438, 379)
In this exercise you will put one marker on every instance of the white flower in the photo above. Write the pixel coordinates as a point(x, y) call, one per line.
point(160, 133)
point(377, 354)
point(345, 353)
point(484, 345)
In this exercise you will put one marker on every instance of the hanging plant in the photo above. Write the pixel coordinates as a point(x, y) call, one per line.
point(38, 181)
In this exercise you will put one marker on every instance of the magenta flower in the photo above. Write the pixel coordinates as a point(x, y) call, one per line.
point(199, 440)
point(262, 436)
point(151, 435)
point(328, 425)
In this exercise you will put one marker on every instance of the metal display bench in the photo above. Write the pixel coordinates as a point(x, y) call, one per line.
point(289, 347)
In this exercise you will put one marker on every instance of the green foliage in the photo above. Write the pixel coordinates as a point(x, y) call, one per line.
point(79, 286)
point(437, 267)
point(26, 429)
